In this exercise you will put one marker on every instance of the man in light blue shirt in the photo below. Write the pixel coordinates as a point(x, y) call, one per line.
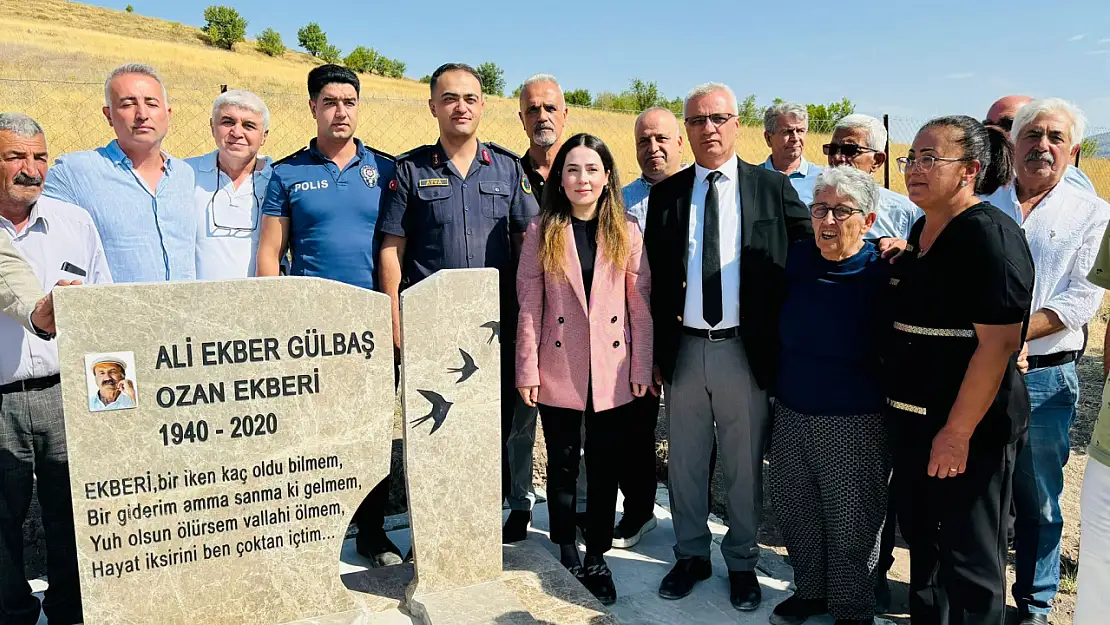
point(140, 198)
point(113, 390)
point(785, 126)
point(60, 243)
point(659, 152)
point(859, 141)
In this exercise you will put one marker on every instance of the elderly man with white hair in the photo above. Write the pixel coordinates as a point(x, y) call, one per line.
point(1064, 226)
point(716, 238)
point(860, 141)
point(785, 126)
point(231, 185)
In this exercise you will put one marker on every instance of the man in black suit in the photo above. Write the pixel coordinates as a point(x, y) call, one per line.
point(723, 227)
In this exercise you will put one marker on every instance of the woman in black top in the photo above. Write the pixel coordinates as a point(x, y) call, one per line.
point(956, 403)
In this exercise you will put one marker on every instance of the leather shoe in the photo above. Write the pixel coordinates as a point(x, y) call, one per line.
point(1034, 619)
point(515, 529)
point(744, 591)
point(685, 573)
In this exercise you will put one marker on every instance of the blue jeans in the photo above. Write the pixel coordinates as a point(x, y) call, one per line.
point(1038, 483)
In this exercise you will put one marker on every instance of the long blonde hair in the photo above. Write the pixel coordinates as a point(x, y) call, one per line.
point(612, 230)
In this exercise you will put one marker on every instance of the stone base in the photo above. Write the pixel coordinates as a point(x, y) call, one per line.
point(534, 588)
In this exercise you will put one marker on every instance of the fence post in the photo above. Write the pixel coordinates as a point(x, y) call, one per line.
point(223, 88)
point(886, 150)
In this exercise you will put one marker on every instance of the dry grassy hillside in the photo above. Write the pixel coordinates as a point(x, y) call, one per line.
point(54, 55)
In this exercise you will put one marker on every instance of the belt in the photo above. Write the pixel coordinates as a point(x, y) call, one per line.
point(1051, 360)
point(33, 384)
point(713, 335)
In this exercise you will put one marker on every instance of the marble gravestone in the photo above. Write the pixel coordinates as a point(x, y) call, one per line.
point(451, 372)
point(221, 436)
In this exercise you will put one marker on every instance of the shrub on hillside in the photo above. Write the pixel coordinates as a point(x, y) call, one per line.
point(225, 27)
point(312, 38)
point(426, 79)
point(578, 97)
point(130, 9)
point(397, 68)
point(361, 59)
point(269, 43)
point(493, 78)
point(330, 54)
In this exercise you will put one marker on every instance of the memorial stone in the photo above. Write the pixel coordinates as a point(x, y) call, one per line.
point(221, 435)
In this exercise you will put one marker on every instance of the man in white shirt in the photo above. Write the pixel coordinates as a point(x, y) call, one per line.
point(231, 186)
point(1002, 114)
point(1064, 226)
point(860, 141)
point(60, 242)
point(785, 126)
point(716, 239)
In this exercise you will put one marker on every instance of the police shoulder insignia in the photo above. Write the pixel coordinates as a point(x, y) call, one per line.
point(433, 182)
point(525, 184)
point(502, 149)
point(369, 175)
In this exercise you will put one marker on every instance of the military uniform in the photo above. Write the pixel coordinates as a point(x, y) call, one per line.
point(452, 221)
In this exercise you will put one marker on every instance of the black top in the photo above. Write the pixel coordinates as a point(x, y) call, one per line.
point(978, 271)
point(585, 242)
point(534, 176)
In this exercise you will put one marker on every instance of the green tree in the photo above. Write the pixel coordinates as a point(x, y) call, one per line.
point(644, 95)
point(312, 38)
point(224, 26)
point(578, 97)
point(381, 65)
point(361, 59)
point(516, 92)
point(750, 115)
point(397, 68)
point(330, 54)
point(1089, 148)
point(825, 116)
point(269, 43)
point(130, 9)
point(492, 77)
point(426, 79)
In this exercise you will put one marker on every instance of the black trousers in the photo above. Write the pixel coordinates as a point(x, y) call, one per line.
point(606, 436)
point(636, 475)
point(956, 532)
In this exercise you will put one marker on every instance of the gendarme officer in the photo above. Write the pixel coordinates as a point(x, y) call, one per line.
point(458, 204)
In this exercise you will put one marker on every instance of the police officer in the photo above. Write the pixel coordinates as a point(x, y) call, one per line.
point(458, 204)
point(323, 203)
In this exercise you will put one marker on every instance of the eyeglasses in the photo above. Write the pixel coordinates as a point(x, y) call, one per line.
point(839, 212)
point(849, 150)
point(718, 119)
point(924, 164)
point(256, 212)
point(1005, 123)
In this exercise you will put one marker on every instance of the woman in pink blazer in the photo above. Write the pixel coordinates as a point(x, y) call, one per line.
point(583, 347)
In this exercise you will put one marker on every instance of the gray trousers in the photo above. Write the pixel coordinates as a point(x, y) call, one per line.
point(828, 481)
point(520, 448)
point(713, 386)
point(33, 444)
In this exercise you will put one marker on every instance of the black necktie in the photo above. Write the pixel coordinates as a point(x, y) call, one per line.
point(711, 255)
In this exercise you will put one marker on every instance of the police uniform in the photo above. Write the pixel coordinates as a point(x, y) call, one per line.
point(332, 213)
point(451, 221)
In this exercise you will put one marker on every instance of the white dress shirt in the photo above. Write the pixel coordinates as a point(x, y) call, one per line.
point(228, 219)
point(1064, 233)
point(56, 233)
point(728, 193)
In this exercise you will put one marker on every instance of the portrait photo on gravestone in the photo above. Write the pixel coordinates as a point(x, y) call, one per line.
point(111, 381)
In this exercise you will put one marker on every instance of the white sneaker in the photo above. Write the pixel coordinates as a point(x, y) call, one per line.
point(625, 537)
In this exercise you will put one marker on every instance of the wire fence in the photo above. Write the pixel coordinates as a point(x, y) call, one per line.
point(71, 114)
